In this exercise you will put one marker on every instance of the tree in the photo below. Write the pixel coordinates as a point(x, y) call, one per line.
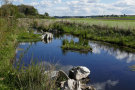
point(8, 10)
point(46, 14)
point(27, 10)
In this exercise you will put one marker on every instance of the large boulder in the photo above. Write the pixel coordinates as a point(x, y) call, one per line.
point(62, 76)
point(79, 73)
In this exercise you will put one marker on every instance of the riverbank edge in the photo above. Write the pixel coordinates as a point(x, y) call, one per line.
point(10, 76)
point(115, 35)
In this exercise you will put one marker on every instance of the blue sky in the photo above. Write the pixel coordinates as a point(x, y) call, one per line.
point(81, 7)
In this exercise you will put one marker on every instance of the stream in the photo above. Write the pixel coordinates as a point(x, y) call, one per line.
point(108, 64)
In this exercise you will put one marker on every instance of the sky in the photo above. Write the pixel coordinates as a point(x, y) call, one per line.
point(81, 7)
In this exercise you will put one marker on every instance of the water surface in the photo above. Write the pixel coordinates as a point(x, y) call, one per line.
point(109, 65)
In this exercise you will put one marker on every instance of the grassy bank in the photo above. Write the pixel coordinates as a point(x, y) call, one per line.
point(111, 35)
point(30, 77)
point(117, 32)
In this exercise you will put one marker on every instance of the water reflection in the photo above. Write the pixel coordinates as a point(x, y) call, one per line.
point(117, 53)
point(105, 85)
point(47, 41)
point(58, 66)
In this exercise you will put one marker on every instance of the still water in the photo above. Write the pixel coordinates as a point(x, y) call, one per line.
point(109, 65)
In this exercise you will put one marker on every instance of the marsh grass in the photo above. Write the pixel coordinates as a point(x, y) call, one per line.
point(132, 68)
point(81, 46)
point(28, 37)
point(106, 34)
point(31, 77)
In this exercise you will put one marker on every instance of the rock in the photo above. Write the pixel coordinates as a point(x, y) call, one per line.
point(85, 80)
point(52, 74)
point(47, 36)
point(79, 73)
point(70, 85)
point(62, 76)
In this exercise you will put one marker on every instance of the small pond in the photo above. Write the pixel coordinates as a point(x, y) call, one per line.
point(109, 65)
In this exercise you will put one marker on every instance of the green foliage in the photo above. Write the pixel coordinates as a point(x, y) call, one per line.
point(28, 36)
point(132, 68)
point(112, 35)
point(46, 14)
point(27, 10)
point(76, 46)
point(9, 10)
point(21, 11)
point(16, 78)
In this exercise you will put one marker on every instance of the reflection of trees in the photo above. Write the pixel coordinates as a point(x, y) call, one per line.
point(47, 40)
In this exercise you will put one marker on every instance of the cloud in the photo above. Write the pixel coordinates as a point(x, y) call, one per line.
point(102, 85)
point(119, 55)
point(82, 7)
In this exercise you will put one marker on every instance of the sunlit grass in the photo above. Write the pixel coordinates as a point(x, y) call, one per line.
point(24, 78)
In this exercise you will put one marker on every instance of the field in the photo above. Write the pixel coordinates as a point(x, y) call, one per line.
point(122, 24)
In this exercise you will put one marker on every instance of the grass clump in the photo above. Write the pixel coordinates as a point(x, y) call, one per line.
point(132, 68)
point(31, 77)
point(81, 46)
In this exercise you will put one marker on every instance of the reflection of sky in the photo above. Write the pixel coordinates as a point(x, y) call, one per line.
point(103, 85)
point(120, 55)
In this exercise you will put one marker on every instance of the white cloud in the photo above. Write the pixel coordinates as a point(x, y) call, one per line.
point(82, 7)
point(119, 55)
point(102, 85)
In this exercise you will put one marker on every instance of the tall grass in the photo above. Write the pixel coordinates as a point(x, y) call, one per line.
point(25, 78)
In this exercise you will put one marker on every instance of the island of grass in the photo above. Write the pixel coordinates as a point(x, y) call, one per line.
point(132, 68)
point(81, 46)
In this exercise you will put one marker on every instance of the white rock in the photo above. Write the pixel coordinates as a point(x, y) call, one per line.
point(71, 85)
point(79, 72)
point(47, 36)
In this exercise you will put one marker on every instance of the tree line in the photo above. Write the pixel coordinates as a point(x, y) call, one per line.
point(20, 11)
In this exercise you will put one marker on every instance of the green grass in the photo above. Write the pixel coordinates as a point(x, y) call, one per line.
point(81, 46)
point(16, 78)
point(122, 18)
point(121, 24)
point(120, 32)
point(115, 36)
point(28, 37)
point(132, 68)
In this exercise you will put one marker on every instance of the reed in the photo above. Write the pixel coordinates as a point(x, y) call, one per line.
point(31, 77)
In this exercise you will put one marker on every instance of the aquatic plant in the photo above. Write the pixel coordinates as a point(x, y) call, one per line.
point(81, 46)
